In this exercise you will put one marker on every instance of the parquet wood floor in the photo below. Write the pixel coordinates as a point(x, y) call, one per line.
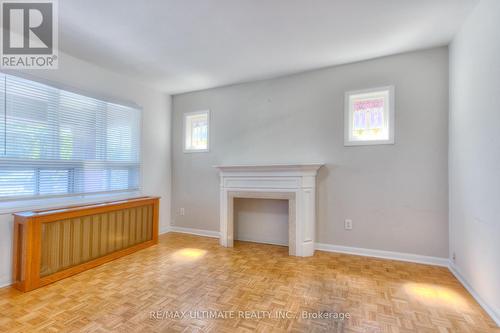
point(190, 273)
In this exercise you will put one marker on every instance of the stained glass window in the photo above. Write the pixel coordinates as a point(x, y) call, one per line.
point(369, 116)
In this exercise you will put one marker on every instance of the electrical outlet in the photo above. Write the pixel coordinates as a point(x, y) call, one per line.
point(348, 224)
point(182, 212)
point(454, 257)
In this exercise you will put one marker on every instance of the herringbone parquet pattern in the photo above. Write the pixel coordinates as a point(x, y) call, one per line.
point(189, 273)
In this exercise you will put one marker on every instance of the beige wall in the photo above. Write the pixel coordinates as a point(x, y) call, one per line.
point(475, 153)
point(156, 136)
point(396, 195)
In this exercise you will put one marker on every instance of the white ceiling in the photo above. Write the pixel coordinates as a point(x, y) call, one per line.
point(185, 45)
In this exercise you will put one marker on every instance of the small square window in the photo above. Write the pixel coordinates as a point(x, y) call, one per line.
point(369, 117)
point(196, 131)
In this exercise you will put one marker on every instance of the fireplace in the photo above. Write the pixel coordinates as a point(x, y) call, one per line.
point(293, 182)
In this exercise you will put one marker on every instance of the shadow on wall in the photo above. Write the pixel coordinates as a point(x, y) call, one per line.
point(322, 195)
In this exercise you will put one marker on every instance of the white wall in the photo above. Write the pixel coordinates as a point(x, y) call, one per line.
point(474, 154)
point(396, 195)
point(155, 140)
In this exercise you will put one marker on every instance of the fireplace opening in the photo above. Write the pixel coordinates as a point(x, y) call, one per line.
point(261, 220)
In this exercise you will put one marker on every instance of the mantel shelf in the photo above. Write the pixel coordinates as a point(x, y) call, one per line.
point(270, 167)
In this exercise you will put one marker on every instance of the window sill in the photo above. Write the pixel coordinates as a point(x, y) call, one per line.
point(10, 207)
point(368, 142)
point(189, 151)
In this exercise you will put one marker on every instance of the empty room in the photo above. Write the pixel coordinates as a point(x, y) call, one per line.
point(250, 166)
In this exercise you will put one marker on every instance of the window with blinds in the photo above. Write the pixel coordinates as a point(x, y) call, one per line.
point(55, 142)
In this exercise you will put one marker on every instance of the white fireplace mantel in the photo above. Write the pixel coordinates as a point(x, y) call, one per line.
point(293, 182)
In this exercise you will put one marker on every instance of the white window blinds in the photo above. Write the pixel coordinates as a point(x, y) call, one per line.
point(56, 142)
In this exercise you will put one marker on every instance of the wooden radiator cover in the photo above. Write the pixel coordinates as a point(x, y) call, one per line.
point(53, 244)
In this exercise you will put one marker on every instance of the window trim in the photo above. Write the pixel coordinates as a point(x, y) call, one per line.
point(184, 117)
point(348, 122)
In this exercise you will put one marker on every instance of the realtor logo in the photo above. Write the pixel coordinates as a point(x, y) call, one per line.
point(29, 34)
